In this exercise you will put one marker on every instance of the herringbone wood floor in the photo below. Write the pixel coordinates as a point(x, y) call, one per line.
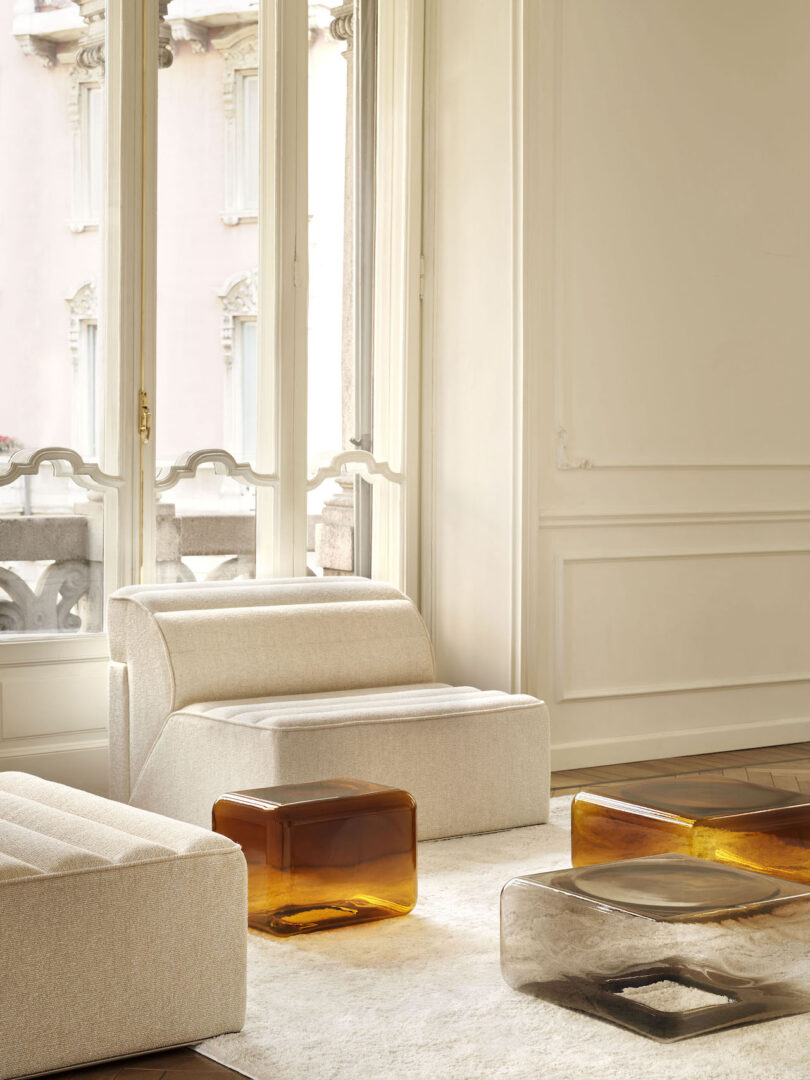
point(778, 766)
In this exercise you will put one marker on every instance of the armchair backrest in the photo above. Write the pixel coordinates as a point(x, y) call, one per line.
point(172, 645)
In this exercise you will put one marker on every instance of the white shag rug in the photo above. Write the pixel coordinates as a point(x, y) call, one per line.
point(422, 998)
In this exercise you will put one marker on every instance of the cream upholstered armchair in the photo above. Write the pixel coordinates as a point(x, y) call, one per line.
point(236, 685)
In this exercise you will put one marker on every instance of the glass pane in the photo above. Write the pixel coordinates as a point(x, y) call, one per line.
point(207, 282)
point(249, 378)
point(52, 188)
point(90, 435)
point(94, 150)
point(331, 540)
point(330, 322)
point(51, 556)
point(206, 529)
point(250, 140)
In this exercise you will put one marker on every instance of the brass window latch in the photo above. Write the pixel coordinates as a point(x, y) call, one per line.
point(144, 417)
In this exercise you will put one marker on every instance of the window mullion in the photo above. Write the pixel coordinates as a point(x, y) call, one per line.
point(129, 271)
point(281, 525)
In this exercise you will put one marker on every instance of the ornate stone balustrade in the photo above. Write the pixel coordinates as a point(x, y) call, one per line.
point(60, 599)
point(211, 535)
point(51, 565)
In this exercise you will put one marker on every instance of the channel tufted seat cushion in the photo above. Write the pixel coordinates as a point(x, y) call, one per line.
point(455, 748)
point(120, 931)
point(238, 685)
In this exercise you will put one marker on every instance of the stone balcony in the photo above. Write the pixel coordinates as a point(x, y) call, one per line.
point(51, 564)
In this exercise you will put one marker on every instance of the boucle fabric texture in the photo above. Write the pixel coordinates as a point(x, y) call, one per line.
point(191, 642)
point(422, 998)
point(473, 761)
point(254, 684)
point(120, 931)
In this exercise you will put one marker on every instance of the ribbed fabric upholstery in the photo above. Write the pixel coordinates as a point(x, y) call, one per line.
point(110, 845)
point(173, 837)
point(122, 931)
point(186, 643)
point(11, 868)
point(294, 648)
point(474, 761)
point(390, 706)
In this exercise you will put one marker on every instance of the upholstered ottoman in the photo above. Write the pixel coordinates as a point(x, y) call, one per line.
point(120, 931)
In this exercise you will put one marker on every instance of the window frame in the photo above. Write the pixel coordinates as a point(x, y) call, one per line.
point(127, 299)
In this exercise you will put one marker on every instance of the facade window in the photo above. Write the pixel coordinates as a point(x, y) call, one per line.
point(239, 297)
point(240, 88)
point(248, 139)
point(90, 370)
point(86, 107)
point(85, 357)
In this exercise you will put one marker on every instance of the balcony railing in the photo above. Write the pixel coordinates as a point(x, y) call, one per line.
point(51, 565)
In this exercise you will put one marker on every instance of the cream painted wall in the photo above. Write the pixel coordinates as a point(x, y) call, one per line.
point(468, 394)
point(665, 249)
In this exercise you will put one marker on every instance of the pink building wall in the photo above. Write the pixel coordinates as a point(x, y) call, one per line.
point(42, 261)
point(197, 253)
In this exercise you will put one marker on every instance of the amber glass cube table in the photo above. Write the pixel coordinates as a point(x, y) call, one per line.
point(716, 818)
point(324, 854)
point(606, 939)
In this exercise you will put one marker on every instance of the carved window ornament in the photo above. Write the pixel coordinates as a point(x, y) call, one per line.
point(195, 34)
point(87, 373)
point(240, 304)
point(342, 26)
point(40, 47)
point(90, 55)
point(240, 93)
point(77, 36)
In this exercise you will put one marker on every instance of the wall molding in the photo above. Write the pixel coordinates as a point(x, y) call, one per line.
point(565, 696)
point(28, 651)
point(81, 765)
point(568, 441)
point(45, 744)
point(687, 741)
point(552, 519)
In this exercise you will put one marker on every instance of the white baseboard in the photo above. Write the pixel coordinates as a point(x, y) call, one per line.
point(86, 766)
point(666, 744)
point(82, 766)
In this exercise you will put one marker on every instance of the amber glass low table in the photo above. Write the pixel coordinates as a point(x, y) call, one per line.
point(730, 821)
point(606, 939)
point(325, 854)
